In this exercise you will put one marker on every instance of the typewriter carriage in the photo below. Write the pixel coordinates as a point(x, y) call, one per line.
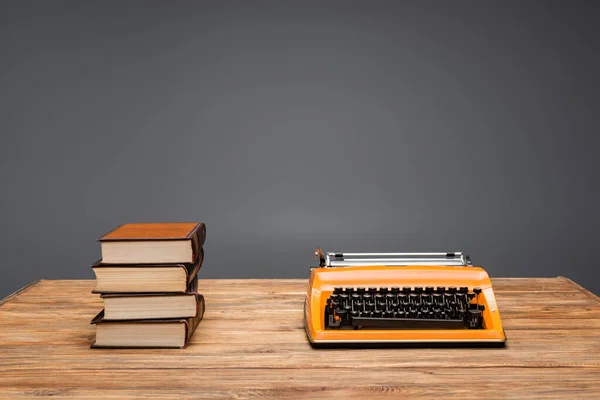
point(391, 259)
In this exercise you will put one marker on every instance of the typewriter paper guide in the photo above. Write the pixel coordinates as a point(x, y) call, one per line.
point(323, 281)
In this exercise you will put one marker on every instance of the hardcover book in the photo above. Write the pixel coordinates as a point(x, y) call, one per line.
point(136, 306)
point(153, 243)
point(146, 278)
point(147, 333)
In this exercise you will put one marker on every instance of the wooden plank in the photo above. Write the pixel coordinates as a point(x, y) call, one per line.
point(296, 355)
point(321, 383)
point(247, 348)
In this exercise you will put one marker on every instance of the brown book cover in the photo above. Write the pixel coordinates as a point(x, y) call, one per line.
point(195, 232)
point(190, 325)
point(157, 231)
point(191, 272)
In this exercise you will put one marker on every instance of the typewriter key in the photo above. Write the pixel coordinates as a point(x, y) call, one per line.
point(413, 298)
point(344, 299)
point(474, 319)
point(470, 296)
point(402, 298)
point(477, 292)
point(389, 299)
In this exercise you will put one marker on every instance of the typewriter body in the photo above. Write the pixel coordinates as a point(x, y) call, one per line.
point(424, 298)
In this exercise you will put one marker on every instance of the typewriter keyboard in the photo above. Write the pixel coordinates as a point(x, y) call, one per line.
point(404, 308)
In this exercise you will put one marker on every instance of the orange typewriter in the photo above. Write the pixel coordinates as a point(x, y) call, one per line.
point(422, 298)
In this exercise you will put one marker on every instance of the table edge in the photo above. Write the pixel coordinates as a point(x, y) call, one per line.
point(580, 288)
point(19, 291)
point(562, 278)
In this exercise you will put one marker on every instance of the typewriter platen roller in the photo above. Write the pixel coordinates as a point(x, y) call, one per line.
point(400, 297)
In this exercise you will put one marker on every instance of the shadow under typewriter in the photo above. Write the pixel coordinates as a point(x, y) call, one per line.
point(401, 299)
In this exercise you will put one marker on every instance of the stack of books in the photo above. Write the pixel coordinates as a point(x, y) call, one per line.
point(148, 279)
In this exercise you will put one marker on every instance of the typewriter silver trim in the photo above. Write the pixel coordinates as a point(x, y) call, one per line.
point(335, 259)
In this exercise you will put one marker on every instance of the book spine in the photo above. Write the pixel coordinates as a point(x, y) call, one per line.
point(192, 323)
point(198, 241)
point(194, 268)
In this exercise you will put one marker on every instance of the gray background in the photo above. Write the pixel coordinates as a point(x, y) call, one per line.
point(364, 126)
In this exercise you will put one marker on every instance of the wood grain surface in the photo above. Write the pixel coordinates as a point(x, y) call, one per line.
point(252, 344)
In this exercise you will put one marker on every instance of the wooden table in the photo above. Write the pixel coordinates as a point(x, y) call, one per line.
point(251, 343)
